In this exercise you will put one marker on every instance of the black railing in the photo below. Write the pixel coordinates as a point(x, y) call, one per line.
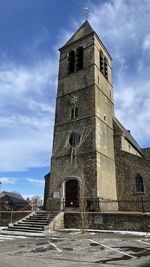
point(11, 212)
point(101, 205)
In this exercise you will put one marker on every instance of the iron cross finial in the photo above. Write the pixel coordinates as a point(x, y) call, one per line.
point(86, 12)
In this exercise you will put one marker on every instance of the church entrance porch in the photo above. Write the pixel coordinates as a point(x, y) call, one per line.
point(72, 193)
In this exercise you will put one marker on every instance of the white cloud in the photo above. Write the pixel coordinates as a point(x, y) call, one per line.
point(8, 180)
point(38, 106)
point(27, 113)
point(20, 80)
point(27, 93)
point(36, 182)
point(146, 42)
point(123, 27)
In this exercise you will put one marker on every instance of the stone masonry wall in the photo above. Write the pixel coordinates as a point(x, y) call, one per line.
point(127, 167)
point(106, 221)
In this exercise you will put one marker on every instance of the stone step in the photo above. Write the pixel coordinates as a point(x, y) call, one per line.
point(40, 216)
point(42, 212)
point(23, 230)
point(35, 218)
point(33, 224)
point(25, 227)
point(29, 225)
point(34, 221)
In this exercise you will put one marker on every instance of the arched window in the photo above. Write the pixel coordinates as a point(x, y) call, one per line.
point(139, 186)
point(74, 113)
point(105, 67)
point(71, 62)
point(79, 58)
point(74, 139)
point(101, 61)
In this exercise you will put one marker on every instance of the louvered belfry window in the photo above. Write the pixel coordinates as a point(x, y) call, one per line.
point(79, 58)
point(71, 62)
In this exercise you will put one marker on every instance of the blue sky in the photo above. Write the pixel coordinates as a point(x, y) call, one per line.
point(31, 32)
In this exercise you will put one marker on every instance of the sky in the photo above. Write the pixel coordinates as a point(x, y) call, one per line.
point(31, 33)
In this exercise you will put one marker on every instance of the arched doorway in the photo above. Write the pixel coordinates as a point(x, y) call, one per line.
point(72, 193)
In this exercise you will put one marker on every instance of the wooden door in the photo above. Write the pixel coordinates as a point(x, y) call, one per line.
point(72, 193)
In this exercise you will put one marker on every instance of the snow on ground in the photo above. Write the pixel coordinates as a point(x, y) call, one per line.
point(4, 236)
point(9, 237)
point(78, 231)
point(145, 234)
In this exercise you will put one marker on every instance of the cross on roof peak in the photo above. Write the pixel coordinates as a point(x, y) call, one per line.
point(86, 13)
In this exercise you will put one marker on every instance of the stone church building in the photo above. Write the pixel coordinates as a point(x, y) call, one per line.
point(95, 161)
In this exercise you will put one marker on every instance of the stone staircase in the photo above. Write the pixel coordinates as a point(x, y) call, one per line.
point(33, 223)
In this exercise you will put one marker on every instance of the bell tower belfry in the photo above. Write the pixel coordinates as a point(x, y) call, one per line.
point(82, 163)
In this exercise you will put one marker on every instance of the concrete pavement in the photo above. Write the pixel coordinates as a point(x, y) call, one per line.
point(75, 249)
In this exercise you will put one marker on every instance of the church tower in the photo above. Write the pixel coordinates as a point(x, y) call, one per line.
point(82, 163)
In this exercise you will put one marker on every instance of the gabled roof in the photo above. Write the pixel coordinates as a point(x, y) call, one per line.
point(128, 136)
point(15, 198)
point(84, 30)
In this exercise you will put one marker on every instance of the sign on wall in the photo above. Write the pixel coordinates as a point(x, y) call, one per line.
point(56, 195)
point(98, 219)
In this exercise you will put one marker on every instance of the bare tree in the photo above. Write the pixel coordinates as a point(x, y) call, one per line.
point(83, 204)
point(35, 202)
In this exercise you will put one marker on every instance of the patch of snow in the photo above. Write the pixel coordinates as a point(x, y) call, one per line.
point(135, 233)
point(10, 237)
point(146, 234)
point(76, 233)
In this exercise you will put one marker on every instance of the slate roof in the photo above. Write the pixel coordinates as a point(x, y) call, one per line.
point(84, 30)
point(128, 136)
point(15, 198)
